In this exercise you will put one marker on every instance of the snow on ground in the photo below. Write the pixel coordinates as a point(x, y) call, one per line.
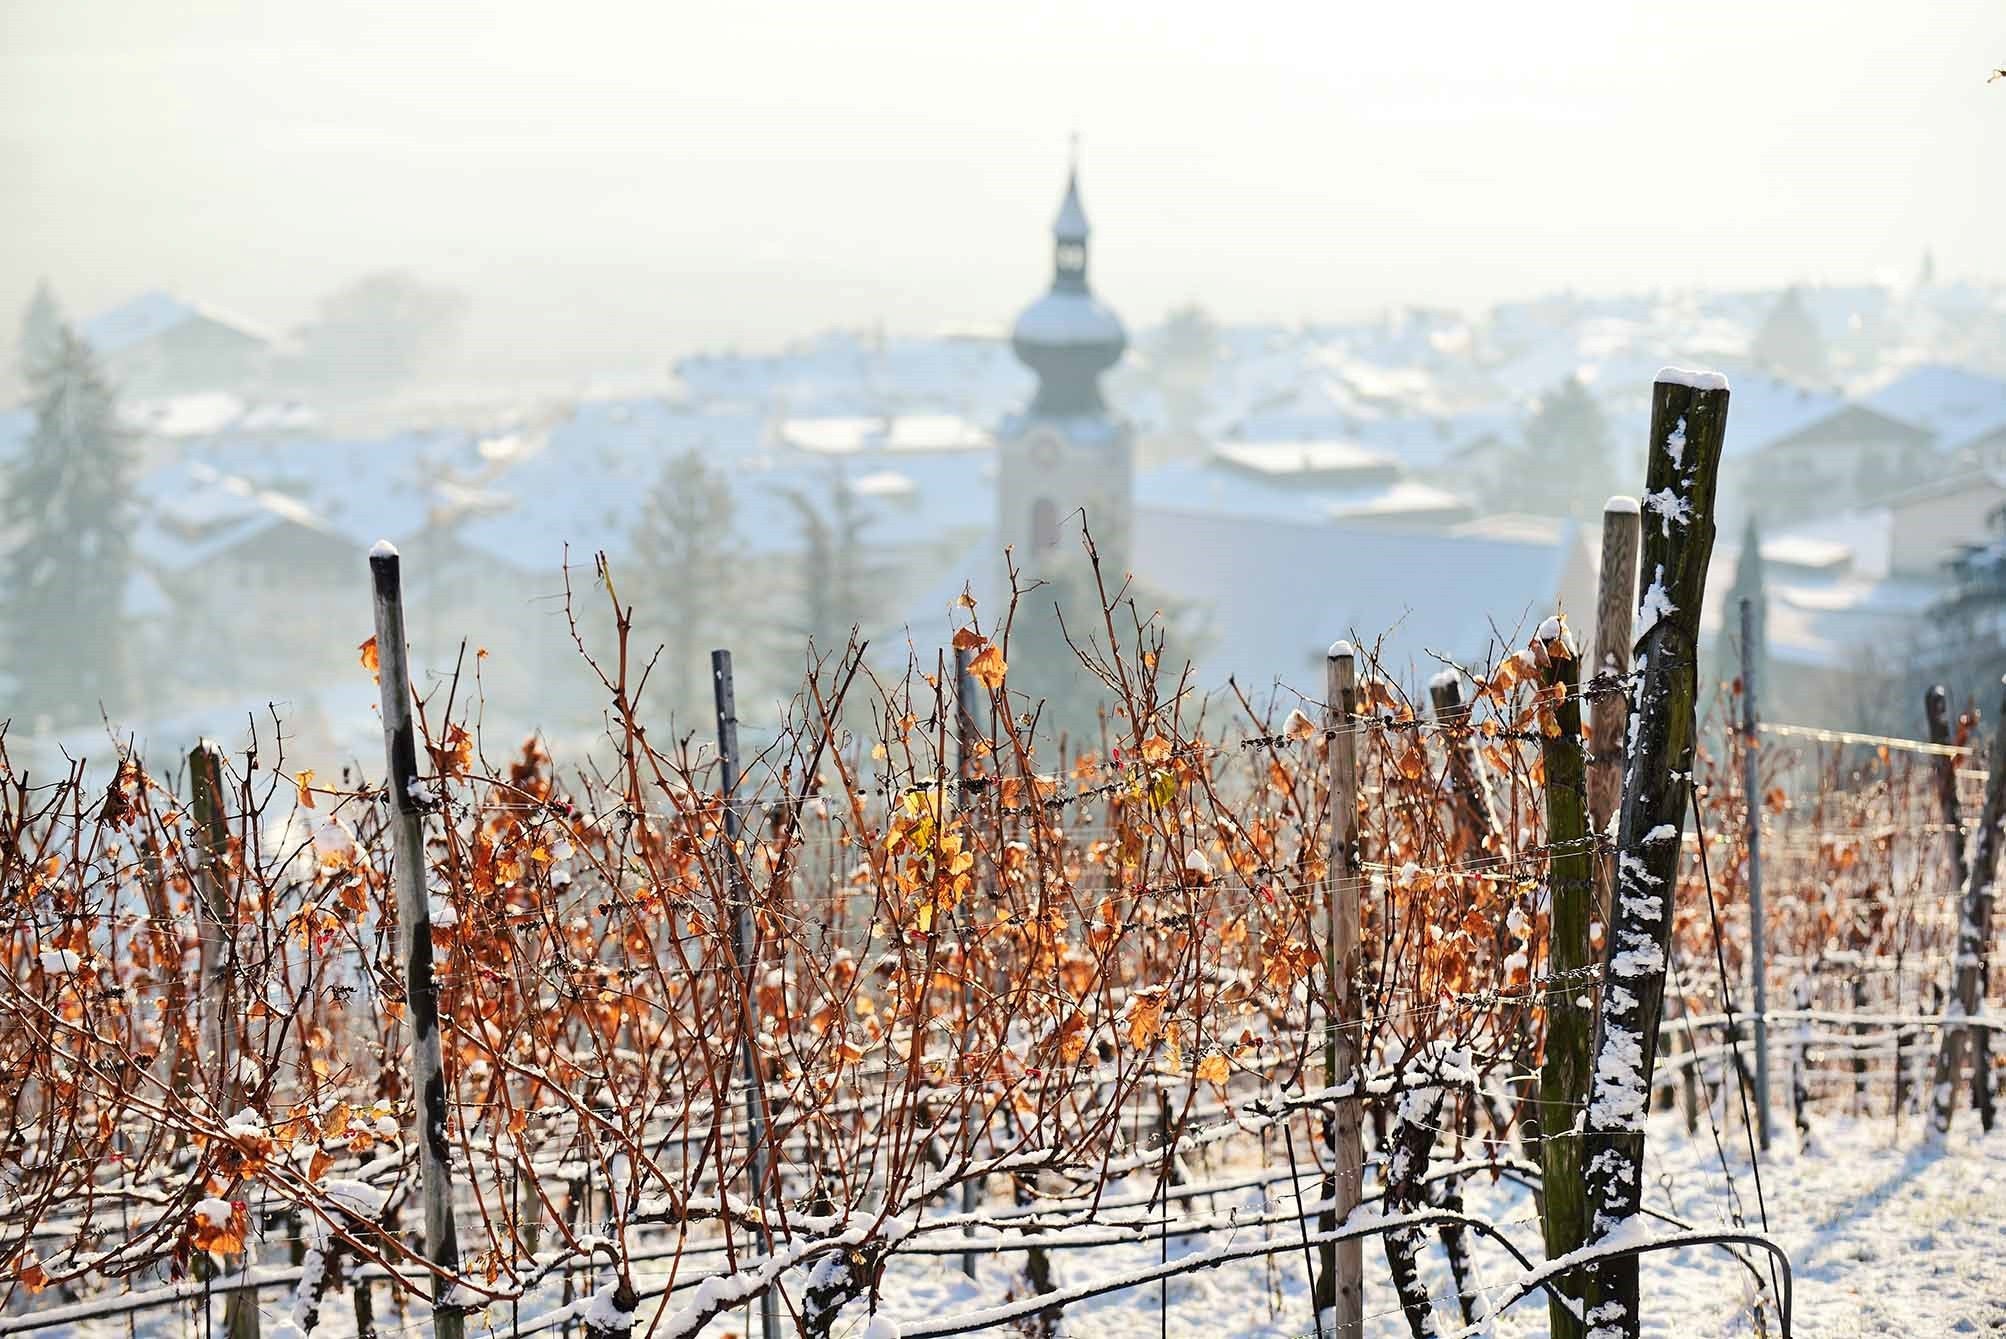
point(1887, 1235)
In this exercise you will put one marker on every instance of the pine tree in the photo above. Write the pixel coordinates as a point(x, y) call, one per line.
point(1563, 469)
point(684, 550)
point(839, 589)
point(41, 334)
point(67, 513)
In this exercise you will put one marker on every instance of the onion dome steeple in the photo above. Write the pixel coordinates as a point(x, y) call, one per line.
point(1069, 337)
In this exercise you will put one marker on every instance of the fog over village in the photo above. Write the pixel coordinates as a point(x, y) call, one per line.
point(1292, 579)
point(855, 469)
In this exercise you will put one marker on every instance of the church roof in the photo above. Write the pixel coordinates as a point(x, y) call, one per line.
point(1071, 224)
point(1066, 318)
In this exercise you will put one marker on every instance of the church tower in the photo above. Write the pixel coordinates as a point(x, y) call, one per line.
point(1066, 453)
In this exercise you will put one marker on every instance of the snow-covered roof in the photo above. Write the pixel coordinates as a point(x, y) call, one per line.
point(1807, 552)
point(150, 314)
point(588, 482)
point(1956, 404)
point(1208, 487)
point(194, 415)
point(1065, 318)
point(1763, 410)
point(861, 374)
point(885, 484)
point(846, 435)
point(1837, 616)
point(192, 512)
point(1281, 459)
point(1867, 537)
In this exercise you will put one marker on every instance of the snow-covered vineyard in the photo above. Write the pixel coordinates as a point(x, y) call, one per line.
point(1576, 999)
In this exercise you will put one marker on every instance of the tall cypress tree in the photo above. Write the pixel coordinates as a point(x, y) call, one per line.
point(1748, 583)
point(66, 514)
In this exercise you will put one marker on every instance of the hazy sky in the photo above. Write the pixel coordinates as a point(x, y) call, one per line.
point(631, 182)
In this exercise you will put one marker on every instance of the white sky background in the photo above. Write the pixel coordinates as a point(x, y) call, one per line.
point(627, 183)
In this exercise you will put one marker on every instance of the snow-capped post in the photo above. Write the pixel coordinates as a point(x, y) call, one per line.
point(1340, 1280)
point(1688, 422)
point(1936, 710)
point(1563, 1076)
point(1751, 791)
point(1608, 709)
point(967, 732)
point(216, 946)
point(745, 947)
point(1974, 934)
point(414, 933)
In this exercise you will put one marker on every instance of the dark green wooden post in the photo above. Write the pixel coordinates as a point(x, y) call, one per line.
point(1563, 1079)
point(1688, 423)
point(1974, 935)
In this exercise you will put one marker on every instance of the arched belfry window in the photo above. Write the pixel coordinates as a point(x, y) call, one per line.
point(1044, 524)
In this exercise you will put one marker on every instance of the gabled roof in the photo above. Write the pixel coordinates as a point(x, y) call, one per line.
point(1950, 402)
point(1763, 410)
point(151, 314)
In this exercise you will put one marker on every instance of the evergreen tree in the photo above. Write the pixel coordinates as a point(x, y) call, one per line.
point(684, 549)
point(839, 587)
point(1563, 468)
point(67, 516)
point(1789, 345)
point(41, 334)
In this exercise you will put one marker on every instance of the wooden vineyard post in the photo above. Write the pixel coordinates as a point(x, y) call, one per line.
point(745, 947)
point(1751, 789)
point(1563, 1078)
point(1936, 711)
point(1340, 1280)
point(216, 956)
point(414, 934)
point(967, 733)
point(1974, 935)
point(216, 949)
point(1608, 707)
point(1688, 423)
point(1475, 814)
